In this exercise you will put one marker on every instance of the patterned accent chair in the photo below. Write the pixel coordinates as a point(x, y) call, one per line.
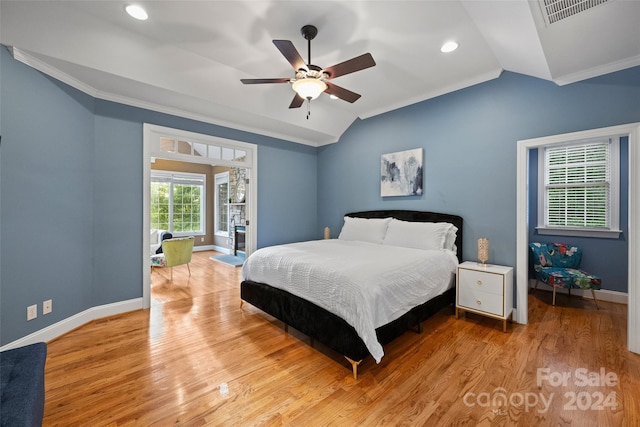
point(174, 252)
point(558, 265)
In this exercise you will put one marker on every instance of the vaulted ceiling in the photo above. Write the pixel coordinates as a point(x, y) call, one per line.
point(188, 57)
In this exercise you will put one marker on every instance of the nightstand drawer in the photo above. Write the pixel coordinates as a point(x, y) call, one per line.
point(479, 280)
point(476, 299)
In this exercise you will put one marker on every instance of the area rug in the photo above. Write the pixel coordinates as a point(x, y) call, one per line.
point(234, 260)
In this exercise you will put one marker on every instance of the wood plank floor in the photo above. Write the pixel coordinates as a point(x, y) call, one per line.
point(196, 358)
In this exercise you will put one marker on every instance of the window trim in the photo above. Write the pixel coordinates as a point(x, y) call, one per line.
point(613, 231)
point(224, 178)
point(170, 176)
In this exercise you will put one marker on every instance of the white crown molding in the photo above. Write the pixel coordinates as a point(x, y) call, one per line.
point(37, 64)
point(598, 71)
point(492, 74)
point(70, 323)
point(201, 118)
point(43, 67)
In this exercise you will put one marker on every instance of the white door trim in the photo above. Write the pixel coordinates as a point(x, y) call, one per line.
point(522, 227)
point(152, 132)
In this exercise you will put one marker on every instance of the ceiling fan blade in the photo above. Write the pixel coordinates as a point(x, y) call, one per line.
point(342, 93)
point(352, 65)
point(289, 51)
point(260, 81)
point(296, 102)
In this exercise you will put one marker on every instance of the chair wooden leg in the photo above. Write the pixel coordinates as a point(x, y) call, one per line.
point(569, 289)
point(554, 295)
point(535, 288)
point(189, 269)
point(171, 274)
point(594, 299)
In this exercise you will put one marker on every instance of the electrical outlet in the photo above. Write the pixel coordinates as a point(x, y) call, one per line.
point(202, 239)
point(47, 307)
point(32, 312)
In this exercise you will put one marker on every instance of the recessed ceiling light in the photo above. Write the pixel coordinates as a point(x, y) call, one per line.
point(449, 46)
point(136, 12)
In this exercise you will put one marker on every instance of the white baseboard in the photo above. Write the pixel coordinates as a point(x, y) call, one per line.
point(75, 321)
point(222, 249)
point(205, 248)
point(602, 294)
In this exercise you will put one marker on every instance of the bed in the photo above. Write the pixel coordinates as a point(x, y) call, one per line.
point(281, 280)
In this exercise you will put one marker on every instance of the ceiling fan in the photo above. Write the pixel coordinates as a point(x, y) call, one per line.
point(310, 80)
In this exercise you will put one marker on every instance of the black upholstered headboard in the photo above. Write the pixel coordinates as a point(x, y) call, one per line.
point(417, 216)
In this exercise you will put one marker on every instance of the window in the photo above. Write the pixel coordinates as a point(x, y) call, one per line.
point(579, 186)
point(221, 204)
point(178, 202)
point(222, 150)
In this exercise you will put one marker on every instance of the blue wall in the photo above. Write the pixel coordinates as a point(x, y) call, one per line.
point(71, 196)
point(71, 177)
point(46, 185)
point(469, 139)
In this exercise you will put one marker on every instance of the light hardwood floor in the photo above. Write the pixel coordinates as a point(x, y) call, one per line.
point(196, 358)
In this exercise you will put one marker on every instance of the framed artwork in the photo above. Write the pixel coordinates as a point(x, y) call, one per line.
point(401, 173)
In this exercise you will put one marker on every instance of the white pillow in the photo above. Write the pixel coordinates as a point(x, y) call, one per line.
point(418, 235)
point(450, 241)
point(370, 230)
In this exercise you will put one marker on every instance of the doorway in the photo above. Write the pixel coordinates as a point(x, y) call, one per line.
point(175, 144)
point(522, 231)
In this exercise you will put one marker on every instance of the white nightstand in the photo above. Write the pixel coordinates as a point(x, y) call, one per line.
point(485, 290)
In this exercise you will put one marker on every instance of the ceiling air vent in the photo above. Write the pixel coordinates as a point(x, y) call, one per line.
point(557, 10)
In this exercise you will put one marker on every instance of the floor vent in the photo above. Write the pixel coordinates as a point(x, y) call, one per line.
point(557, 10)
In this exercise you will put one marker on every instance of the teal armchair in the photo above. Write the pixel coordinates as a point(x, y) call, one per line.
point(558, 265)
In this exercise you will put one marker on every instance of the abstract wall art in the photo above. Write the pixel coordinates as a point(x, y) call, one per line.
point(401, 173)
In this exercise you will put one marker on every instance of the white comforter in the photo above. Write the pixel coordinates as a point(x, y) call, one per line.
point(366, 284)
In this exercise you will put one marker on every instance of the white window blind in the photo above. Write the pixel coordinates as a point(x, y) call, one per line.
point(578, 188)
point(577, 185)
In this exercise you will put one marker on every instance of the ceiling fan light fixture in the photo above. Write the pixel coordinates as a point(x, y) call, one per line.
point(309, 88)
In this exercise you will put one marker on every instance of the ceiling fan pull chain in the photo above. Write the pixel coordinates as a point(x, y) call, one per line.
point(308, 108)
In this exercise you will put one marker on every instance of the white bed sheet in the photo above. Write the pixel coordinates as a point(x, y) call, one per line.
point(366, 284)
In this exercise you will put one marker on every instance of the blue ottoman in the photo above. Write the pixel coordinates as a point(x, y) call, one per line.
point(22, 385)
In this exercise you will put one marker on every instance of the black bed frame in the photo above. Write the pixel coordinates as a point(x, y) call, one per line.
point(331, 330)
